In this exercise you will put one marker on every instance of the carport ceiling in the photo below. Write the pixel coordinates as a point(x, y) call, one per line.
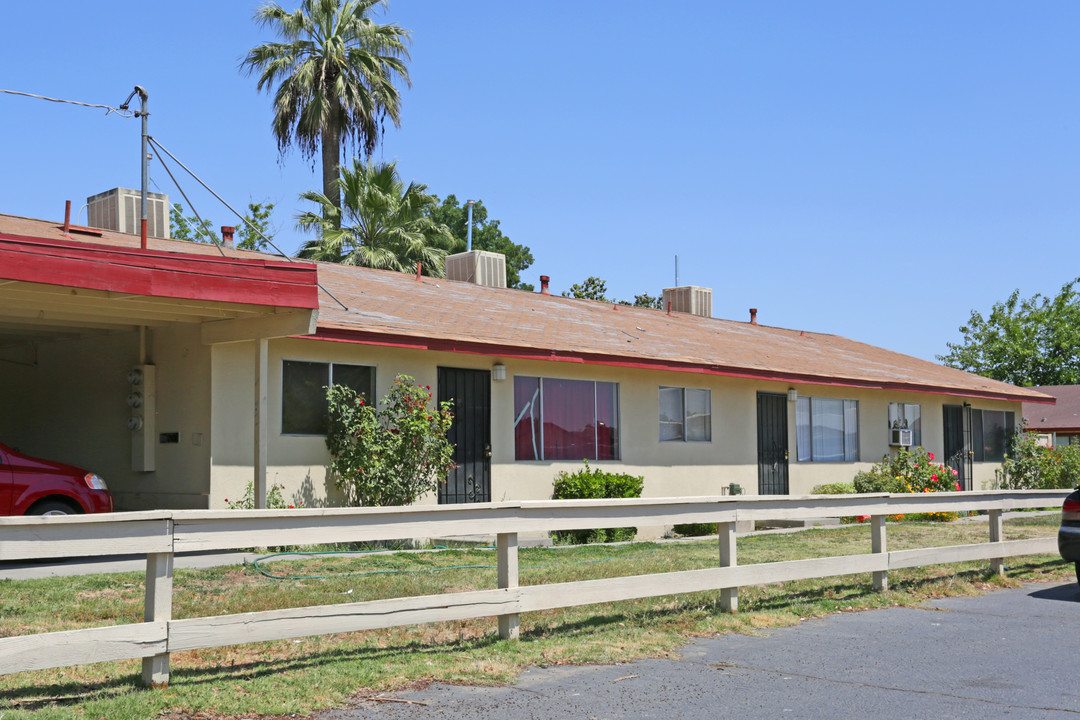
point(34, 312)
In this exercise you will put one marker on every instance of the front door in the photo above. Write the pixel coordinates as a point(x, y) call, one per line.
point(470, 434)
point(772, 444)
point(958, 454)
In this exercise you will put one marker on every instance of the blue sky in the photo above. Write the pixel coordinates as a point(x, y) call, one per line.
point(867, 169)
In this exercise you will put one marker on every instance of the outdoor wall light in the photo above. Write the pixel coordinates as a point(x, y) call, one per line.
point(792, 395)
point(498, 372)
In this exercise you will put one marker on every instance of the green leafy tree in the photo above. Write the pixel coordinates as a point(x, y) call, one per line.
point(257, 219)
point(646, 300)
point(336, 73)
point(596, 289)
point(486, 236)
point(1024, 341)
point(393, 454)
point(382, 223)
point(592, 289)
point(189, 228)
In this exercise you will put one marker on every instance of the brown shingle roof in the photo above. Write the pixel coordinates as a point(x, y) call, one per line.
point(1065, 415)
point(396, 309)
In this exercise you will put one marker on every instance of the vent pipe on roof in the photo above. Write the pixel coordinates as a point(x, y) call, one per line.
point(468, 241)
point(753, 316)
point(227, 236)
point(544, 280)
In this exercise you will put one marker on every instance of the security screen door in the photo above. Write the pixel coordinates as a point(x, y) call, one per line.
point(772, 444)
point(470, 434)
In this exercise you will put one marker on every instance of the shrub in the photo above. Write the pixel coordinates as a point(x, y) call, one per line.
point(838, 488)
point(695, 529)
point(594, 483)
point(274, 500)
point(389, 455)
point(909, 471)
point(1031, 466)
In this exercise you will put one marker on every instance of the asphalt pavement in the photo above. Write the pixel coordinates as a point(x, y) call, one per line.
point(1008, 654)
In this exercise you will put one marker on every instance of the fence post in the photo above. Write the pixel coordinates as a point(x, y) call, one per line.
point(158, 608)
point(507, 549)
point(729, 597)
point(877, 535)
point(997, 565)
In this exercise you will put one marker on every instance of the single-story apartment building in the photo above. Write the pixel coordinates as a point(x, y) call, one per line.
point(180, 372)
point(1057, 424)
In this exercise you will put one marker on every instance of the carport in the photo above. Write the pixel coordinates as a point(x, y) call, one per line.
point(105, 352)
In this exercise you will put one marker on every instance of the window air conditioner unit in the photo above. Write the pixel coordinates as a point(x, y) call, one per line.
point(901, 437)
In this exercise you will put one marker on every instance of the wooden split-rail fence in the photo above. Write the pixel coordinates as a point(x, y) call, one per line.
point(161, 534)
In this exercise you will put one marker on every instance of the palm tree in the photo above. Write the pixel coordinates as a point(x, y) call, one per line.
point(381, 223)
point(335, 74)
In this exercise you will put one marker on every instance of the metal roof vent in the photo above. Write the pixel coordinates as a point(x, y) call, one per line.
point(689, 299)
point(120, 209)
point(477, 266)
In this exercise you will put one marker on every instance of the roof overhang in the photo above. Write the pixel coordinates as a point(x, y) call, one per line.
point(52, 289)
point(554, 355)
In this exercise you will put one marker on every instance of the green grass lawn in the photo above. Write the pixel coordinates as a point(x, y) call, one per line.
point(300, 676)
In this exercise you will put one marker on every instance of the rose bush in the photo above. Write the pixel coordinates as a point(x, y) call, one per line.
point(393, 454)
point(910, 471)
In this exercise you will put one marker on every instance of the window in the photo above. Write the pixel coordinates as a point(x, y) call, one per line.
point(1060, 439)
point(304, 410)
point(826, 430)
point(907, 415)
point(565, 419)
point(990, 433)
point(685, 414)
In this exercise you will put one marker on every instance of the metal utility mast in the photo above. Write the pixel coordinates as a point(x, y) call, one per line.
point(142, 113)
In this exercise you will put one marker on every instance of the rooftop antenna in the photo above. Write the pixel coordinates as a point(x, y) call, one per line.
point(676, 271)
point(468, 241)
point(142, 113)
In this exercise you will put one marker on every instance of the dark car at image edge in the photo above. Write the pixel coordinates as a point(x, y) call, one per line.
point(33, 486)
point(1069, 534)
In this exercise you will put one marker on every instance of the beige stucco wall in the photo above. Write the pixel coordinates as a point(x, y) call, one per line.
point(670, 468)
point(70, 407)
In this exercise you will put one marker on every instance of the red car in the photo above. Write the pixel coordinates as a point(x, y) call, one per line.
point(31, 486)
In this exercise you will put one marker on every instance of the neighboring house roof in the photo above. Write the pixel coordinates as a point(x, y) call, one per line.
point(1062, 417)
point(395, 309)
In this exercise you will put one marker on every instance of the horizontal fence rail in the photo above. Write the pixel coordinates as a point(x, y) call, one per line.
point(161, 534)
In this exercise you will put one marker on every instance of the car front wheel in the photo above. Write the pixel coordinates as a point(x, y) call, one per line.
point(51, 507)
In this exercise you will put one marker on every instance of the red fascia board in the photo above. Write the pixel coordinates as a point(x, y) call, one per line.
point(154, 273)
point(524, 353)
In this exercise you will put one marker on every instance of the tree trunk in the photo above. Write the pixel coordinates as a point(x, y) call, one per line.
point(331, 162)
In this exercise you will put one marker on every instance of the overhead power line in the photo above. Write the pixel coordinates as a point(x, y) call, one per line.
point(243, 219)
point(107, 108)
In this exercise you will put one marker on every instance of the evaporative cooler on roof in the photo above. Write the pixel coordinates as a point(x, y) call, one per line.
point(120, 209)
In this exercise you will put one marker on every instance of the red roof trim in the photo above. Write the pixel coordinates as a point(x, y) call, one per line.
point(524, 353)
point(154, 273)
